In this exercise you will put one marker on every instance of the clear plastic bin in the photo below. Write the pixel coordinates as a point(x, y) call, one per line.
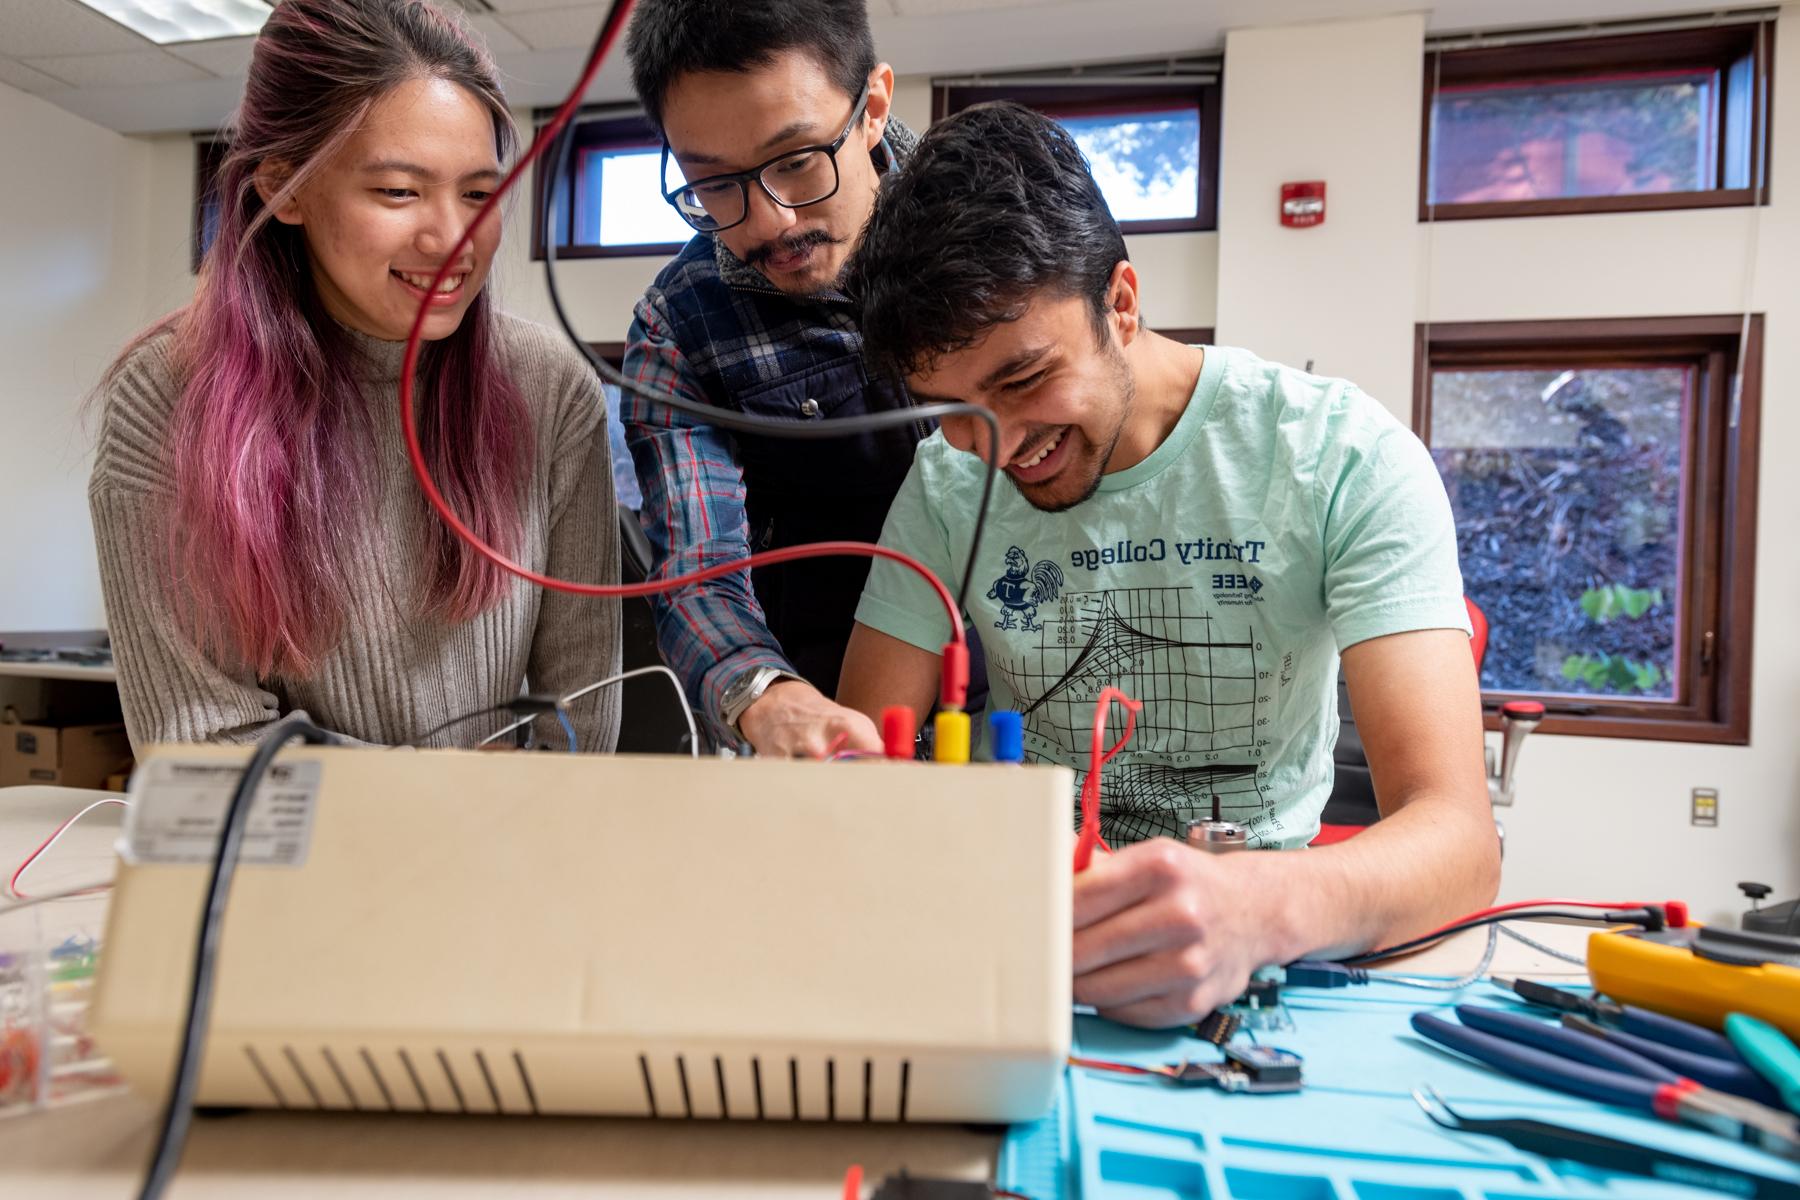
point(48, 957)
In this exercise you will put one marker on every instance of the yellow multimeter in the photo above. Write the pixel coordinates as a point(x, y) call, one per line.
point(1699, 973)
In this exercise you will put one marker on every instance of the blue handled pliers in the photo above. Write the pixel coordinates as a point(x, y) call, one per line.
point(1601, 1070)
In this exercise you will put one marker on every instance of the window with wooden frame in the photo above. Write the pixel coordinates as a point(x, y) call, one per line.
point(1603, 477)
point(209, 156)
point(609, 195)
point(1541, 123)
point(1150, 133)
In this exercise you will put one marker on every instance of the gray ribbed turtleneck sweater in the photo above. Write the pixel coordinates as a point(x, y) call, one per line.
point(397, 672)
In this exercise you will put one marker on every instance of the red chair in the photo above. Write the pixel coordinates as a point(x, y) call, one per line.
point(1520, 717)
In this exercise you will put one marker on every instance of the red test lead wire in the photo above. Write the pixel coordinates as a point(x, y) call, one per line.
point(954, 689)
point(1680, 908)
point(1090, 787)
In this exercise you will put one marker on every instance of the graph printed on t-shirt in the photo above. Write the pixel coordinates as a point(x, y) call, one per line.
point(1205, 683)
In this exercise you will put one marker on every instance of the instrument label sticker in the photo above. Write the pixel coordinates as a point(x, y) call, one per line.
point(178, 813)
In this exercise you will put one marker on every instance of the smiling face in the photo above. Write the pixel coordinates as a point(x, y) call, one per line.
point(1062, 396)
point(384, 212)
point(718, 122)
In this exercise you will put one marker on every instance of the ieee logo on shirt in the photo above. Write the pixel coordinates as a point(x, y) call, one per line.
point(1236, 588)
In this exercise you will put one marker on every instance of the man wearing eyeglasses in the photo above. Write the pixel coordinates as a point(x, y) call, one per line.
point(776, 123)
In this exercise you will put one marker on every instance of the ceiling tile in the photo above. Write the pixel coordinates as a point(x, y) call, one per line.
point(499, 38)
point(118, 70)
point(556, 29)
point(17, 74)
point(228, 58)
point(44, 28)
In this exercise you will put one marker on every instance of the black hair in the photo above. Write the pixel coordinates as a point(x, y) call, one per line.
point(995, 208)
point(670, 38)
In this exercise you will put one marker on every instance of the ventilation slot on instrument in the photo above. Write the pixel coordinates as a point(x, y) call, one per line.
point(375, 1074)
point(649, 1088)
point(412, 1073)
point(462, 1104)
point(724, 1092)
point(305, 1079)
point(337, 1073)
point(262, 1073)
point(487, 1077)
point(525, 1080)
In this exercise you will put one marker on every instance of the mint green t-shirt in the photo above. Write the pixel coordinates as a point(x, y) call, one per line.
point(1284, 518)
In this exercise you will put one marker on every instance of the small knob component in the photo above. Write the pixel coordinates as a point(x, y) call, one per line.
point(1217, 837)
point(1755, 892)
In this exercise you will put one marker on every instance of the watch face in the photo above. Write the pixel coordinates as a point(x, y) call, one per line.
point(739, 691)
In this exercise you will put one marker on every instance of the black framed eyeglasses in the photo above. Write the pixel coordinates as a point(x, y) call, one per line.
point(792, 180)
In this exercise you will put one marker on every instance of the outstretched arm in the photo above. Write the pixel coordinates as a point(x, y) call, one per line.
point(1164, 934)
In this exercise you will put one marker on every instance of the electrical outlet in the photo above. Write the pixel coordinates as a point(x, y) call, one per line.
point(1705, 809)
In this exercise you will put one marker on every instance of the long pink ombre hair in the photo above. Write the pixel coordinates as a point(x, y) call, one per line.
point(269, 441)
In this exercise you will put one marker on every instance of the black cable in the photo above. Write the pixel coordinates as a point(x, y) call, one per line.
point(453, 722)
point(1631, 916)
point(519, 706)
point(778, 427)
point(179, 1111)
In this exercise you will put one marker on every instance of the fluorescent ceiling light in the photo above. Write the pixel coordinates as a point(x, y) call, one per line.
point(165, 21)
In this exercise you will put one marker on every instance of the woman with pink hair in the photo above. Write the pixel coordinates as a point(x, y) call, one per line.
point(263, 546)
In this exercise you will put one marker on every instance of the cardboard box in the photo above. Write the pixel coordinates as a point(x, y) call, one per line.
point(64, 756)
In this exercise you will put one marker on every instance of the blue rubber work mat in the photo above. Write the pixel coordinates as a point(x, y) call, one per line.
point(1353, 1133)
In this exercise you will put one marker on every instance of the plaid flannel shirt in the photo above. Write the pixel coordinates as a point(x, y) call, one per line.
point(707, 319)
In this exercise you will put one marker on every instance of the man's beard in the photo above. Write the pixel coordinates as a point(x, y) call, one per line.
point(1127, 391)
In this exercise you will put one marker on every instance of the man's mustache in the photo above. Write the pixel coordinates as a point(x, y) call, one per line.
point(789, 245)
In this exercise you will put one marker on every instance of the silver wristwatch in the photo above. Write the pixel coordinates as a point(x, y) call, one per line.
point(745, 690)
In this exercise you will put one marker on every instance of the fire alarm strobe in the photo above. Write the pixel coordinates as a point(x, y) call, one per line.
point(1303, 204)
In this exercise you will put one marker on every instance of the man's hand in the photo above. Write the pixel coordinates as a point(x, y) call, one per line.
point(1164, 933)
point(794, 720)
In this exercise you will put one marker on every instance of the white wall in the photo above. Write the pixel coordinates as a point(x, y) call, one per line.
point(1340, 101)
point(169, 212)
point(1327, 102)
point(72, 255)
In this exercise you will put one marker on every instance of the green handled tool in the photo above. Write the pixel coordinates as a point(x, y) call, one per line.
point(1768, 1050)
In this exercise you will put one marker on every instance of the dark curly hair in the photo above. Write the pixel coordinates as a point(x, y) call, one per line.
point(670, 38)
point(995, 208)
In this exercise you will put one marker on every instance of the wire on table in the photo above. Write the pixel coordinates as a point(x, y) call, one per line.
point(1121, 1068)
point(562, 714)
point(1639, 915)
point(1579, 960)
point(67, 894)
point(12, 885)
point(1447, 985)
